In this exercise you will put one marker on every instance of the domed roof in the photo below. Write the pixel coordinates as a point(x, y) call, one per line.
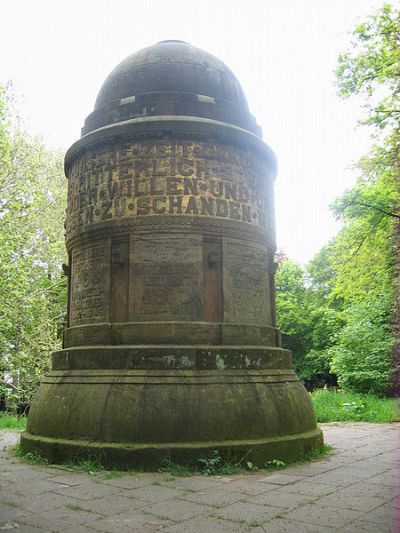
point(171, 78)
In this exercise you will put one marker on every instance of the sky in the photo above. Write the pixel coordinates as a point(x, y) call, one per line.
point(57, 53)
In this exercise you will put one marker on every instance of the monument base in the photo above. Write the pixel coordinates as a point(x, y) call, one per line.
point(152, 455)
point(176, 402)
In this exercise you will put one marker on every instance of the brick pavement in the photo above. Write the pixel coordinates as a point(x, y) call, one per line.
point(353, 489)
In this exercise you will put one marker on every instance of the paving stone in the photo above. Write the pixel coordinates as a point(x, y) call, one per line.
point(48, 501)
point(246, 512)
point(248, 486)
point(207, 525)
point(342, 476)
point(155, 493)
point(351, 490)
point(9, 513)
point(308, 470)
point(112, 504)
point(309, 488)
point(373, 466)
point(363, 488)
point(128, 481)
point(131, 521)
point(276, 498)
point(72, 480)
point(396, 503)
point(177, 510)
point(281, 479)
point(214, 497)
point(225, 479)
point(19, 527)
point(314, 513)
point(194, 483)
point(389, 478)
point(282, 525)
point(87, 491)
point(60, 521)
point(21, 487)
point(367, 527)
point(385, 514)
point(357, 502)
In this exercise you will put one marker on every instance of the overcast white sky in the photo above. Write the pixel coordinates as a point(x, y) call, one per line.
point(284, 52)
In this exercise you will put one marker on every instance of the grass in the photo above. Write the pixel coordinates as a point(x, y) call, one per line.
point(276, 464)
point(332, 406)
point(90, 466)
point(8, 421)
point(213, 465)
point(29, 457)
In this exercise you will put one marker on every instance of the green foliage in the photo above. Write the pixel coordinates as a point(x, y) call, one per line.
point(88, 465)
point(30, 457)
point(307, 322)
point(332, 406)
point(175, 469)
point(216, 465)
point(275, 464)
point(212, 465)
point(340, 312)
point(8, 421)
point(318, 453)
point(370, 68)
point(32, 289)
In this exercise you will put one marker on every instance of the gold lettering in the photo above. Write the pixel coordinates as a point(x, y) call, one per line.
point(234, 210)
point(190, 186)
point(143, 206)
point(191, 206)
point(185, 167)
point(175, 203)
point(172, 185)
point(246, 213)
point(153, 187)
point(207, 206)
point(222, 208)
point(156, 208)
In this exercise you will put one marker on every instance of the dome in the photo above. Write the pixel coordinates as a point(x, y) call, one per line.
point(171, 78)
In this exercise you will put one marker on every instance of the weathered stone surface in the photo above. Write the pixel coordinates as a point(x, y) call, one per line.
point(171, 347)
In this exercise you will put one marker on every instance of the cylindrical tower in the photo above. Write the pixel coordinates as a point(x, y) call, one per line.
point(171, 347)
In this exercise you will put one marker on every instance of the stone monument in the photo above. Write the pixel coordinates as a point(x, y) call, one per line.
point(171, 347)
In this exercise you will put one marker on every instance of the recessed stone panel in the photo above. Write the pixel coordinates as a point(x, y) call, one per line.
point(166, 278)
point(90, 283)
point(246, 283)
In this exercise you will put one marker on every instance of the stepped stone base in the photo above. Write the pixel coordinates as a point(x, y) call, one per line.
point(242, 401)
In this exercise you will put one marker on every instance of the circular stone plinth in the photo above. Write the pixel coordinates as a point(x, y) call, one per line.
point(241, 401)
point(152, 455)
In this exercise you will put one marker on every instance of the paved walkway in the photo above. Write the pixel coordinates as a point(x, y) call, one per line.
point(353, 489)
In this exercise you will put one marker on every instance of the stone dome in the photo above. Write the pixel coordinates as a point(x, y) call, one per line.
point(171, 78)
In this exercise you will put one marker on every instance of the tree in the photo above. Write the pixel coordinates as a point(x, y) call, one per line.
point(306, 323)
point(368, 247)
point(32, 289)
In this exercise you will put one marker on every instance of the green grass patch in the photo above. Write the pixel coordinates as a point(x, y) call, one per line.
point(29, 457)
point(277, 464)
point(332, 406)
point(90, 465)
point(8, 421)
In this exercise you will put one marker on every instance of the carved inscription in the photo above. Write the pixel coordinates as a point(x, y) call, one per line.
point(168, 178)
point(166, 274)
point(89, 282)
point(247, 284)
